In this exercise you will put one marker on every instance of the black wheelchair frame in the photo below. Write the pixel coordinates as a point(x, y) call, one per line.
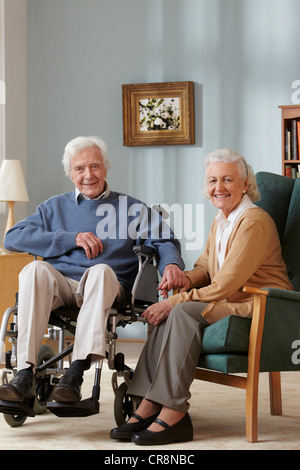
point(50, 367)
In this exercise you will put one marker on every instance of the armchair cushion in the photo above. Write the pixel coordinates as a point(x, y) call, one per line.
point(225, 363)
point(225, 345)
point(229, 335)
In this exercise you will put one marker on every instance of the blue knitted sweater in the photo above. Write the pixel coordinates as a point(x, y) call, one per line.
point(120, 221)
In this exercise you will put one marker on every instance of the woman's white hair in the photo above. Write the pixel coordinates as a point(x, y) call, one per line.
point(245, 170)
point(77, 145)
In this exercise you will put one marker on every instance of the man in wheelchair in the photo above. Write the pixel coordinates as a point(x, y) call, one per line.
point(85, 239)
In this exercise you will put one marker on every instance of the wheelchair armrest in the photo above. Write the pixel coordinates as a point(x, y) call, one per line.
point(146, 281)
point(145, 251)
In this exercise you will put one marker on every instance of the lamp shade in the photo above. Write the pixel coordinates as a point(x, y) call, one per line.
point(12, 183)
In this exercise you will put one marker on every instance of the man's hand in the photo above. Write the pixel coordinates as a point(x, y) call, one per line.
point(173, 278)
point(157, 313)
point(91, 244)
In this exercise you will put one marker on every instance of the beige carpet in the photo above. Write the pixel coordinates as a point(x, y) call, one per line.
point(218, 415)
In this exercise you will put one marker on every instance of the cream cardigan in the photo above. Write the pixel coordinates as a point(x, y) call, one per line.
point(253, 258)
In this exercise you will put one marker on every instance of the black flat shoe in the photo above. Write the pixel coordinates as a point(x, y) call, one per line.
point(18, 389)
point(125, 431)
point(67, 390)
point(179, 432)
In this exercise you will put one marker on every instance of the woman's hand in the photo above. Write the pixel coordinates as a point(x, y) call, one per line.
point(157, 313)
point(186, 286)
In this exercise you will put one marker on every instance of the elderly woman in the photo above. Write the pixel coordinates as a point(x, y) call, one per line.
point(242, 248)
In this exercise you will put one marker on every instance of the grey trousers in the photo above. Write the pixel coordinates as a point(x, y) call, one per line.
point(166, 367)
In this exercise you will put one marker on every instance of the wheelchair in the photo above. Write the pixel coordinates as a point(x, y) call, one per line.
point(50, 366)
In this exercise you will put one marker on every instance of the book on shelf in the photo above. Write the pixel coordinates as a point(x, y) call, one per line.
point(288, 144)
point(292, 140)
point(292, 171)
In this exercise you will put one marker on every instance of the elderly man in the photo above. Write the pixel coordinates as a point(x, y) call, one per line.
point(85, 239)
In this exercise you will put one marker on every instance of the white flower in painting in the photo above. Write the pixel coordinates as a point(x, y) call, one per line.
point(144, 102)
point(159, 122)
point(165, 115)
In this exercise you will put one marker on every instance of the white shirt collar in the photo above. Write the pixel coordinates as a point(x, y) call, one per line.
point(104, 195)
point(234, 215)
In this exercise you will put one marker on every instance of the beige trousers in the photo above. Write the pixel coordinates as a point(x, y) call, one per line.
point(42, 289)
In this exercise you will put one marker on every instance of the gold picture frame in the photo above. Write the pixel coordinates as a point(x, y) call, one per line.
point(158, 114)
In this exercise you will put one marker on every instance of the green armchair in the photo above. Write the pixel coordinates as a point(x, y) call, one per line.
point(267, 342)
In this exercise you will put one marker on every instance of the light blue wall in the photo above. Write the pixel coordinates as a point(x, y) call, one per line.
point(243, 56)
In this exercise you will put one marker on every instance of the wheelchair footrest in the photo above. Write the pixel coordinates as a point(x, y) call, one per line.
point(82, 408)
point(17, 408)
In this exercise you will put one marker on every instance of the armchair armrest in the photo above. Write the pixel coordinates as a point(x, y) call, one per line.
point(255, 290)
point(272, 292)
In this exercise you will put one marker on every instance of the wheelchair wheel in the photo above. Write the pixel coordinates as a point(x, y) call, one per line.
point(12, 420)
point(43, 390)
point(43, 387)
point(124, 406)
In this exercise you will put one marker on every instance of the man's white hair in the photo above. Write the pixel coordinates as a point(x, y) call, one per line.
point(77, 145)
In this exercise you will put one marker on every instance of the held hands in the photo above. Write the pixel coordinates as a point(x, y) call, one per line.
point(91, 244)
point(173, 278)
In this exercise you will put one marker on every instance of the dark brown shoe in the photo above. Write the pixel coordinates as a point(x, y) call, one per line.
point(18, 389)
point(67, 390)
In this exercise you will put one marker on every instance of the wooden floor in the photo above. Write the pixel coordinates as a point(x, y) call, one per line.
point(217, 412)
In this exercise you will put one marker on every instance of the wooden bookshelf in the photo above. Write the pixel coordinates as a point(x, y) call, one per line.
point(290, 138)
